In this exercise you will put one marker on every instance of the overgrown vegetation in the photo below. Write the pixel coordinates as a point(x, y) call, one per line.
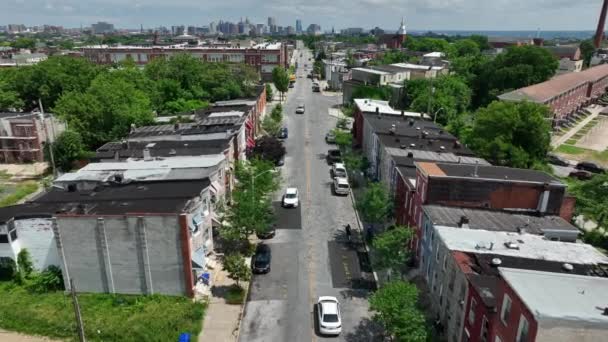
point(21, 191)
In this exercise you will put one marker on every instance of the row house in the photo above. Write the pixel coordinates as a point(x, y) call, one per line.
point(565, 94)
point(462, 266)
point(23, 136)
point(263, 57)
point(118, 236)
point(569, 57)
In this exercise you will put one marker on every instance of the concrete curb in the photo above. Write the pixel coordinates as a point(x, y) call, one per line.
point(361, 232)
point(243, 307)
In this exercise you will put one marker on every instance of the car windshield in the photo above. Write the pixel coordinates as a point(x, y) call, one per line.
point(290, 196)
point(343, 185)
point(330, 318)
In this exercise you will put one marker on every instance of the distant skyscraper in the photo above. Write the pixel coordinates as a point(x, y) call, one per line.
point(102, 27)
point(298, 25)
point(272, 21)
point(212, 27)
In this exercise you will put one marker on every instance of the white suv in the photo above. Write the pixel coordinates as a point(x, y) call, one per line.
point(291, 198)
point(341, 186)
point(338, 170)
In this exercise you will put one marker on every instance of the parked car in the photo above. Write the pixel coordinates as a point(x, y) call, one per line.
point(291, 198)
point(589, 166)
point(328, 315)
point(316, 88)
point(581, 174)
point(283, 133)
point(557, 160)
point(292, 84)
point(341, 186)
point(269, 233)
point(260, 262)
point(334, 156)
point(330, 137)
point(338, 170)
point(300, 109)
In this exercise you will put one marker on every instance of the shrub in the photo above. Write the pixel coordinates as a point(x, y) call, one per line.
point(235, 295)
point(24, 261)
point(47, 281)
point(8, 269)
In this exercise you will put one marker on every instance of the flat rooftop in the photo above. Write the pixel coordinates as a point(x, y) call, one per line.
point(443, 144)
point(405, 126)
point(495, 220)
point(518, 245)
point(169, 148)
point(561, 299)
point(370, 105)
point(506, 174)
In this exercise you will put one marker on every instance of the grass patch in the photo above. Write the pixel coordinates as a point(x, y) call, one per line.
point(106, 317)
point(569, 149)
point(235, 295)
point(4, 175)
point(571, 141)
point(601, 156)
point(22, 190)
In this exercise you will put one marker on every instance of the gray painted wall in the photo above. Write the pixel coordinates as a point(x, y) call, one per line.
point(123, 254)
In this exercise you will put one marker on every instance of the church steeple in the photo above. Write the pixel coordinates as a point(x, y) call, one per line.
point(402, 30)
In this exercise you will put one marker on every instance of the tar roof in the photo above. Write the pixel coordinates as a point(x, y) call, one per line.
point(518, 245)
point(442, 144)
point(580, 298)
point(501, 173)
point(404, 126)
point(495, 220)
point(111, 199)
point(169, 148)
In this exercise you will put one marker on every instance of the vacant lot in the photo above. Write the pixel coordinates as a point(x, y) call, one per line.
point(106, 317)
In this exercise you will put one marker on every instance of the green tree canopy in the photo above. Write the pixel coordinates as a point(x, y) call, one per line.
point(280, 78)
point(587, 50)
point(391, 248)
point(68, 148)
point(269, 93)
point(592, 198)
point(466, 47)
point(234, 265)
point(426, 44)
point(376, 205)
point(269, 148)
point(24, 43)
point(371, 92)
point(395, 307)
point(515, 134)
point(270, 126)
point(390, 57)
point(482, 41)
point(451, 97)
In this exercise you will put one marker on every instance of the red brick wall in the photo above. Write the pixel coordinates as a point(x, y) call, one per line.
point(567, 209)
point(508, 332)
point(358, 127)
point(481, 311)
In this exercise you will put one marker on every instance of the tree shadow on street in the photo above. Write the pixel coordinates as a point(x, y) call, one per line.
point(366, 331)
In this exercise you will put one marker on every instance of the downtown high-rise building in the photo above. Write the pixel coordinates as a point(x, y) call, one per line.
point(298, 26)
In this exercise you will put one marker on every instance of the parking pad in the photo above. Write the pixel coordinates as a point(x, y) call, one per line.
point(344, 265)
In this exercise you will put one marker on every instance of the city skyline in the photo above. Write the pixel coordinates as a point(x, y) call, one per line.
point(419, 14)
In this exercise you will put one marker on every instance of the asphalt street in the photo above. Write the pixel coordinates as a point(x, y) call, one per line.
point(309, 254)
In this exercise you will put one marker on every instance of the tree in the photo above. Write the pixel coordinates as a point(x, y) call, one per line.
point(391, 248)
point(270, 126)
point(24, 262)
point(343, 139)
point(277, 113)
point(68, 148)
point(466, 47)
point(592, 198)
point(350, 59)
point(375, 206)
point(395, 307)
point(482, 41)
point(425, 44)
point(451, 96)
point(269, 148)
point(9, 99)
point(269, 93)
point(24, 43)
point(587, 50)
point(234, 265)
point(515, 134)
point(518, 67)
point(390, 57)
point(280, 78)
point(371, 92)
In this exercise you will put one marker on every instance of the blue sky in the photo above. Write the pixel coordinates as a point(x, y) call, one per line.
point(419, 14)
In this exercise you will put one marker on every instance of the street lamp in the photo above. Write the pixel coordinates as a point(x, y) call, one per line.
point(435, 115)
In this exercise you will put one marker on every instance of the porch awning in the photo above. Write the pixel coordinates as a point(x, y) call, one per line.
point(198, 258)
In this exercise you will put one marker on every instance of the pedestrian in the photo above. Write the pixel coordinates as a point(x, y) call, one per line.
point(347, 228)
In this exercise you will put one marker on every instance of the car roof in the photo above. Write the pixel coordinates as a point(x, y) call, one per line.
point(339, 165)
point(291, 190)
point(342, 180)
point(263, 248)
point(329, 306)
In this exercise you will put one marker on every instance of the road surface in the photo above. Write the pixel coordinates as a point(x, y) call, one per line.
point(309, 255)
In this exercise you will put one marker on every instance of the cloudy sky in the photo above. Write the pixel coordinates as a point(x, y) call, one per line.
point(420, 14)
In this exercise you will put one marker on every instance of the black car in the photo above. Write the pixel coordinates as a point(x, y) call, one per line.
point(269, 233)
point(334, 156)
point(283, 133)
point(260, 263)
point(557, 160)
point(581, 174)
point(589, 166)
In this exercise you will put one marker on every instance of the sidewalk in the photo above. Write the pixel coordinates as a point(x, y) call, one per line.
point(222, 320)
point(10, 336)
point(556, 141)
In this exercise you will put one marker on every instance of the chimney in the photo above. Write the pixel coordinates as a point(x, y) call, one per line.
point(475, 174)
point(412, 122)
point(410, 154)
point(457, 144)
point(176, 126)
point(463, 222)
point(402, 113)
point(378, 111)
point(147, 154)
point(118, 178)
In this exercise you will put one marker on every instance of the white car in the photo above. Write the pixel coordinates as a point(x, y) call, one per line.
point(341, 186)
point(330, 320)
point(300, 109)
point(291, 198)
point(338, 170)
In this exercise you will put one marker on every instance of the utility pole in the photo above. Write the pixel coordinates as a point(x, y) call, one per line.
point(48, 139)
point(79, 323)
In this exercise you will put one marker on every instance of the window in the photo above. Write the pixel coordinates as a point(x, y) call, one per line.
point(437, 254)
point(445, 262)
point(3, 238)
point(440, 294)
point(268, 58)
point(472, 311)
point(505, 310)
point(485, 327)
point(13, 234)
point(522, 330)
